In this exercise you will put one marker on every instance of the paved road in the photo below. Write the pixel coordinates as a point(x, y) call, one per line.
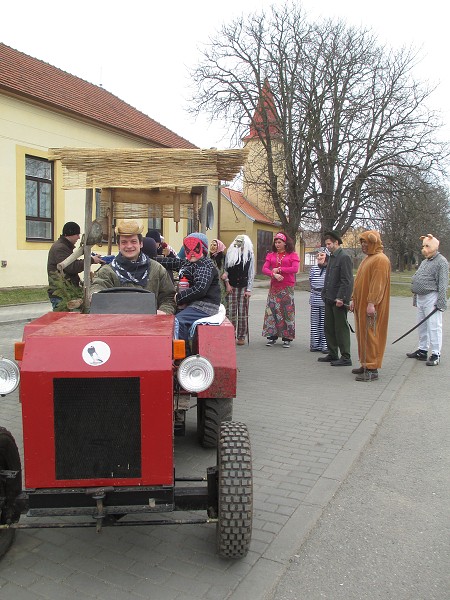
point(386, 532)
point(308, 423)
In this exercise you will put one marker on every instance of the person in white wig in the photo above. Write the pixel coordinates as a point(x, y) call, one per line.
point(238, 276)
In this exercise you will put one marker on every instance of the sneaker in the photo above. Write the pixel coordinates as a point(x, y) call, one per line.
point(368, 375)
point(271, 342)
point(315, 350)
point(241, 342)
point(327, 358)
point(341, 362)
point(419, 354)
point(286, 344)
point(433, 361)
point(358, 371)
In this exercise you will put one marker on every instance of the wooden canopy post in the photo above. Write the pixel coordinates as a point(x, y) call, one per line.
point(87, 249)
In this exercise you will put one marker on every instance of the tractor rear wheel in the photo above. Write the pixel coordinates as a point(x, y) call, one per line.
point(10, 487)
point(211, 412)
point(235, 490)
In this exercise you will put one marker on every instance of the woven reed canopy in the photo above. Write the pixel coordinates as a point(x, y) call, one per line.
point(146, 168)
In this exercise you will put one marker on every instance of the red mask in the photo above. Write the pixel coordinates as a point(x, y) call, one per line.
point(193, 247)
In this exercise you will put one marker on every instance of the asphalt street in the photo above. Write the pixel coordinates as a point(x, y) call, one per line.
point(385, 534)
point(309, 423)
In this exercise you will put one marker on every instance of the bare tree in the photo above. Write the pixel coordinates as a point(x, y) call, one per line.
point(335, 111)
point(414, 206)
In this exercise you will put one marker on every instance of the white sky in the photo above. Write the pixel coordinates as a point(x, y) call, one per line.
point(140, 49)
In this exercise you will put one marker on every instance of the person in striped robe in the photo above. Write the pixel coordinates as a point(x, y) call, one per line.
point(318, 343)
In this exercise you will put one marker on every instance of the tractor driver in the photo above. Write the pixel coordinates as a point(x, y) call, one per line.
point(132, 268)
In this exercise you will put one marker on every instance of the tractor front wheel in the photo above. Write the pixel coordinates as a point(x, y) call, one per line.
point(211, 412)
point(10, 487)
point(235, 490)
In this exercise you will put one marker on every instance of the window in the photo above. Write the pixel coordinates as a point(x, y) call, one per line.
point(154, 221)
point(38, 198)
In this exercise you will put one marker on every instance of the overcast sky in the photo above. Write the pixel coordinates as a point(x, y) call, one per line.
point(140, 50)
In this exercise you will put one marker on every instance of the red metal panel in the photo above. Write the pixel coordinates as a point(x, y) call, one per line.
point(130, 346)
point(217, 343)
point(43, 321)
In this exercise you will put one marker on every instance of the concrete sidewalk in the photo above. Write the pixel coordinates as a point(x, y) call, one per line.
point(16, 313)
point(308, 423)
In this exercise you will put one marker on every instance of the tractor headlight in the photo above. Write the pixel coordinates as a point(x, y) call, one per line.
point(195, 374)
point(9, 376)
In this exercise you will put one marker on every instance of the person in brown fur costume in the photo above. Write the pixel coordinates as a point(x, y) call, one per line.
point(370, 304)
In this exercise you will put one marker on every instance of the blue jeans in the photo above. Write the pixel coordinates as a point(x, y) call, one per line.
point(184, 320)
point(54, 300)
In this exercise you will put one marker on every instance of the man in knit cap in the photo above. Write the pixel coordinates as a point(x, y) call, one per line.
point(60, 250)
point(429, 286)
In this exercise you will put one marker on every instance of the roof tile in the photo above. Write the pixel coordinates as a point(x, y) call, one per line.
point(239, 200)
point(25, 76)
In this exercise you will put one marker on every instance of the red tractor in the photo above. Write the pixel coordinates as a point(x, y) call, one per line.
point(103, 397)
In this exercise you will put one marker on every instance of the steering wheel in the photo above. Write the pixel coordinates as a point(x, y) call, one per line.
point(139, 290)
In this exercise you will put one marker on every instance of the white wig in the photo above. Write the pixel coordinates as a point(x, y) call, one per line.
point(236, 254)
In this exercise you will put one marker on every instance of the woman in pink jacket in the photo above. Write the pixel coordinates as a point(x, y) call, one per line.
point(281, 266)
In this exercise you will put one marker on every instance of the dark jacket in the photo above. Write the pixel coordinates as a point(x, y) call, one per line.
point(238, 275)
point(59, 251)
point(338, 278)
point(204, 290)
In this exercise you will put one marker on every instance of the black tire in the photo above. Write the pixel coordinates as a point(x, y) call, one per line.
point(9, 488)
point(235, 491)
point(211, 412)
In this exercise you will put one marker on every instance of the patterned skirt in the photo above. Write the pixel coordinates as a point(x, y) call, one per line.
point(279, 316)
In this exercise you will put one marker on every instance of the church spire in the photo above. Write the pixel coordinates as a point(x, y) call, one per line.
point(265, 110)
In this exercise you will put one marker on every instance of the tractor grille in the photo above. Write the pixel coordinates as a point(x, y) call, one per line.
point(97, 428)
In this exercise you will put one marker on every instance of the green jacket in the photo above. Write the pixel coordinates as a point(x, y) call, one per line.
point(158, 282)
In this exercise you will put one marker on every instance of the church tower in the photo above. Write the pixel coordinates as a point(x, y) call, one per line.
point(264, 130)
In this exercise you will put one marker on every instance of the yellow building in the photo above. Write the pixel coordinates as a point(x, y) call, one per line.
point(42, 107)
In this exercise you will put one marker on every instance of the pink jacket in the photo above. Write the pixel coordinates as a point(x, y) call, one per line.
point(290, 264)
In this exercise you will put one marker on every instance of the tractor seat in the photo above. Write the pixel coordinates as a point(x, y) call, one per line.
point(123, 301)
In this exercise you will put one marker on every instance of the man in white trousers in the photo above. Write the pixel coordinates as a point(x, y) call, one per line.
point(429, 286)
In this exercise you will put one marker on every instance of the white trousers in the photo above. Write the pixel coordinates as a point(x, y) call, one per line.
point(430, 332)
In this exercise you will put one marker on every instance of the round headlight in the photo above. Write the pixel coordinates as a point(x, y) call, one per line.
point(195, 374)
point(9, 376)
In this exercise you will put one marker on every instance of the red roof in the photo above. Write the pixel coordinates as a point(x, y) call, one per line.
point(33, 79)
point(265, 109)
point(249, 209)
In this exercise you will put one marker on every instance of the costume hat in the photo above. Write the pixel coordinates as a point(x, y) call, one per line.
point(335, 234)
point(128, 227)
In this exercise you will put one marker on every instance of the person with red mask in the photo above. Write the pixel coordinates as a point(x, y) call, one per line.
point(202, 297)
